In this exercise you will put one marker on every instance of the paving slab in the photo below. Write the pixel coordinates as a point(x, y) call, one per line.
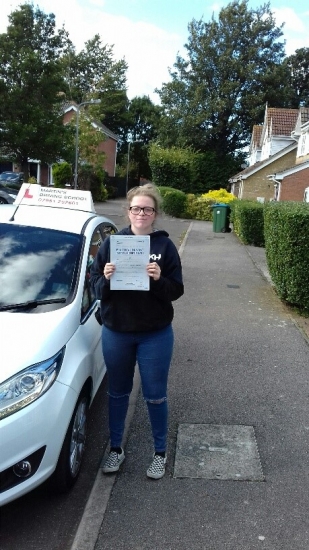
point(212, 451)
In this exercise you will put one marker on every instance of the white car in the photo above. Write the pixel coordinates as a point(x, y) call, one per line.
point(51, 357)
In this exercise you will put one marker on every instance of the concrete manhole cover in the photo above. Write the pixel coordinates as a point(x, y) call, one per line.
point(211, 451)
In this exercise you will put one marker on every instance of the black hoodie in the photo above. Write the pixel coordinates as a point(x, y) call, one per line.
point(134, 310)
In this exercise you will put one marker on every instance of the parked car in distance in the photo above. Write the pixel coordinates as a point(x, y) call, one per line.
point(7, 194)
point(13, 179)
point(51, 355)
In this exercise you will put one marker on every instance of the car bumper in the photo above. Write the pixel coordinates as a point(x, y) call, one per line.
point(41, 425)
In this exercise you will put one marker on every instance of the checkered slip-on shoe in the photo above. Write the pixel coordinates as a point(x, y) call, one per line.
point(156, 469)
point(113, 462)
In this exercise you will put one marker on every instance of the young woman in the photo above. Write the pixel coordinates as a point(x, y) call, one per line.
point(137, 329)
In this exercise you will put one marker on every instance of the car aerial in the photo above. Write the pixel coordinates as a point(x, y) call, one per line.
point(7, 194)
point(52, 363)
point(12, 179)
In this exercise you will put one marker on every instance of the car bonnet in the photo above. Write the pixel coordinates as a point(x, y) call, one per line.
point(27, 339)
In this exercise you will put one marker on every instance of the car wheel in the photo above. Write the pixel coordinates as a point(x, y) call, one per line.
point(73, 448)
point(3, 201)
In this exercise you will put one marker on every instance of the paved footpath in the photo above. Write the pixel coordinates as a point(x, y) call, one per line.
point(241, 370)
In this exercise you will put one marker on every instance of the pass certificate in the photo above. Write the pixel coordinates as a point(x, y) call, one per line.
point(130, 254)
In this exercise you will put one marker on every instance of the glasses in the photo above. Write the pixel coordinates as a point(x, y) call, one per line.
point(147, 210)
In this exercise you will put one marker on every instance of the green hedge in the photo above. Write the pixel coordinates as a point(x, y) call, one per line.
point(171, 167)
point(90, 180)
point(62, 174)
point(282, 228)
point(190, 171)
point(173, 201)
point(248, 221)
point(287, 250)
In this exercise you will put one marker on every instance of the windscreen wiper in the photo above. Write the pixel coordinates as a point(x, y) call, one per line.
point(33, 304)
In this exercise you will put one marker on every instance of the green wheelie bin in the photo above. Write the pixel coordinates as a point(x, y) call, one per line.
point(221, 218)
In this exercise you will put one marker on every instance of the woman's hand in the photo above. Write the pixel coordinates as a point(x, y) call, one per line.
point(109, 269)
point(154, 271)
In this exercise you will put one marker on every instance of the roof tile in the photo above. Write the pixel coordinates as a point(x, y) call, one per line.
point(281, 121)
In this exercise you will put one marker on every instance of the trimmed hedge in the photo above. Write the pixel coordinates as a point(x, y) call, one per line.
point(62, 174)
point(89, 180)
point(281, 227)
point(287, 250)
point(173, 201)
point(248, 221)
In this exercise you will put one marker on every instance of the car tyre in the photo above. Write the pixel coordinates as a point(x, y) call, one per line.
point(3, 201)
point(73, 448)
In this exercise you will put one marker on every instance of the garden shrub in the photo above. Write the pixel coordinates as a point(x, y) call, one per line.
point(248, 221)
point(171, 167)
point(205, 202)
point(203, 210)
point(192, 206)
point(112, 191)
point(189, 170)
point(287, 250)
point(173, 201)
point(62, 174)
point(89, 180)
point(219, 196)
point(190, 211)
point(164, 190)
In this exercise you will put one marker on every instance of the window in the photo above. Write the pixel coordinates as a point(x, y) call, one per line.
point(98, 236)
point(37, 264)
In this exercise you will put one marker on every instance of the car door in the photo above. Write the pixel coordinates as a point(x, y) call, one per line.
point(90, 305)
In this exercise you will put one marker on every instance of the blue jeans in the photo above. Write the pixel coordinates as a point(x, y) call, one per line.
point(153, 353)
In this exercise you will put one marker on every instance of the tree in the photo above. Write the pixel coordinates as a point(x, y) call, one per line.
point(143, 119)
point(32, 87)
point(93, 71)
point(298, 74)
point(90, 138)
point(93, 68)
point(233, 67)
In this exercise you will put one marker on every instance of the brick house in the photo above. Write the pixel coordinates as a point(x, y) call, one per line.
point(43, 172)
point(273, 149)
point(290, 184)
point(109, 140)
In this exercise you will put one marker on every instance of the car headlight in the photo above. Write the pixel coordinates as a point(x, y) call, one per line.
point(28, 385)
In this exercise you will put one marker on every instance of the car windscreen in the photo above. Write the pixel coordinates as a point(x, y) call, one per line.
point(7, 188)
point(12, 183)
point(5, 176)
point(37, 266)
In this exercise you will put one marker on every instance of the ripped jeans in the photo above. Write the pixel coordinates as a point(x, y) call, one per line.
point(153, 353)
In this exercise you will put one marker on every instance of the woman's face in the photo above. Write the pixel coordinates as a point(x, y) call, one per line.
point(141, 224)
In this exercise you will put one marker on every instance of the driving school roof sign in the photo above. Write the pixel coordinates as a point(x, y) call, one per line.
point(72, 199)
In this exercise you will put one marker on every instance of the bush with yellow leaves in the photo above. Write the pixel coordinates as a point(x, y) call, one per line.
point(199, 207)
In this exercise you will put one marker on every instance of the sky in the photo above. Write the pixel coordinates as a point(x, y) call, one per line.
point(149, 34)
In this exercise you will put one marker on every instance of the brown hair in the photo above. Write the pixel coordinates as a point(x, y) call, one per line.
point(148, 190)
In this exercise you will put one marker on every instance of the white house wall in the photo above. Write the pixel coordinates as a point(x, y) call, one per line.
point(254, 157)
point(303, 143)
point(274, 145)
point(266, 148)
